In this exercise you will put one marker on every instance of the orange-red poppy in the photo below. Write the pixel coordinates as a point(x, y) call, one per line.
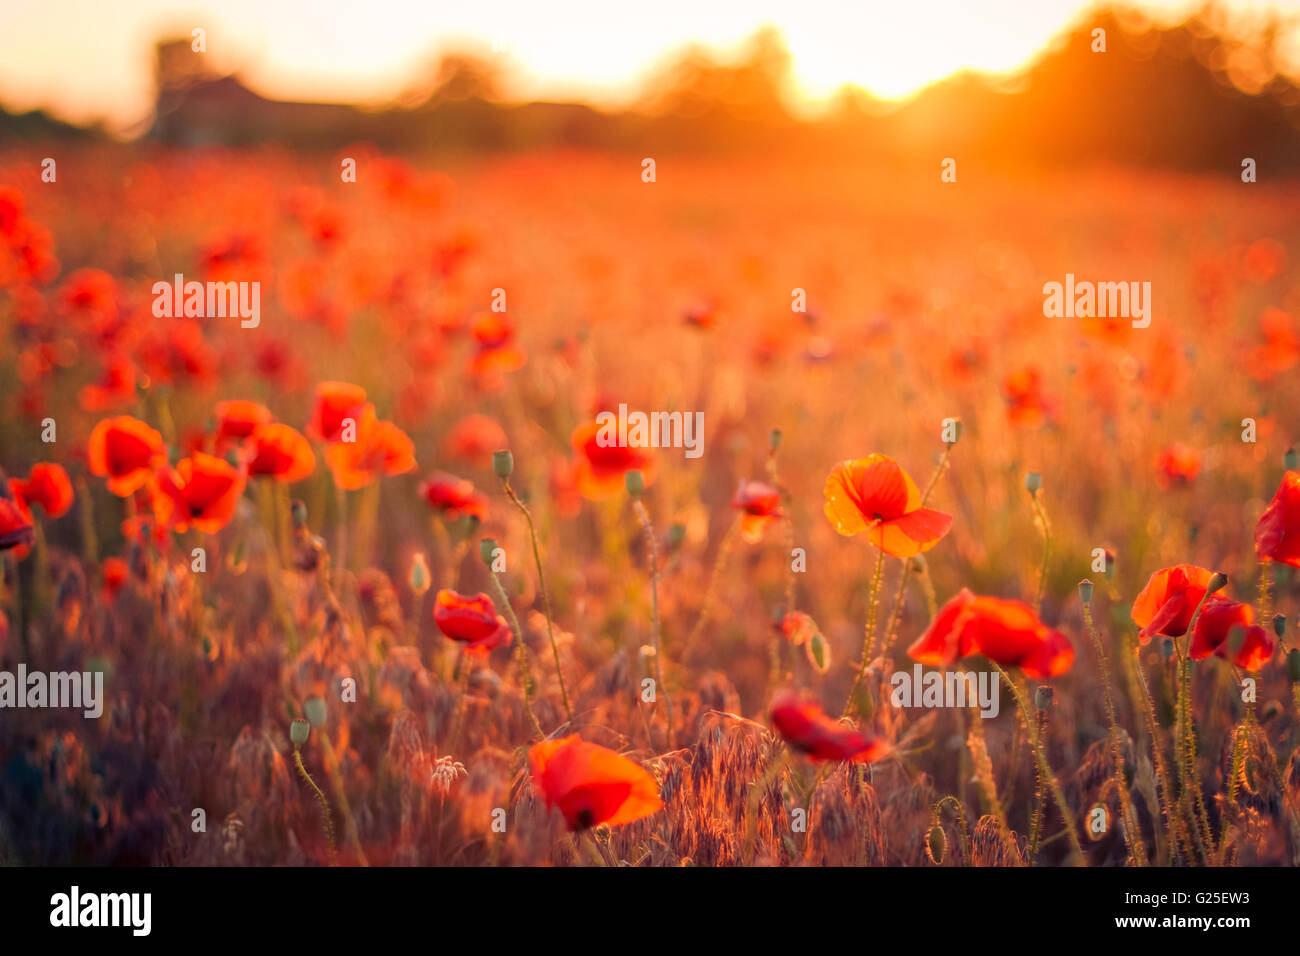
point(47, 485)
point(115, 573)
point(760, 505)
point(1213, 634)
point(590, 784)
point(115, 388)
point(237, 420)
point(335, 402)
point(16, 530)
point(807, 729)
point(473, 621)
point(1167, 603)
point(381, 448)
point(1007, 632)
point(126, 451)
point(474, 438)
point(1177, 466)
point(201, 491)
point(1277, 535)
point(797, 627)
point(599, 469)
point(1028, 404)
point(454, 497)
point(280, 452)
point(875, 495)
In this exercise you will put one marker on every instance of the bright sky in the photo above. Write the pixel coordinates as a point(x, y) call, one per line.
point(92, 59)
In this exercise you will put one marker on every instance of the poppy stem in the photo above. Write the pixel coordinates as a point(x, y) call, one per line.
point(653, 549)
point(851, 705)
point(724, 550)
point(1036, 744)
point(324, 806)
point(1047, 550)
point(1131, 831)
point(546, 598)
point(525, 675)
point(86, 511)
point(1264, 565)
point(1173, 821)
point(1193, 800)
point(336, 779)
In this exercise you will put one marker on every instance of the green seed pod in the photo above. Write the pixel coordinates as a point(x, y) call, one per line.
point(1293, 665)
point(1043, 697)
point(635, 483)
point(774, 438)
point(1033, 481)
point(299, 730)
point(419, 578)
point(503, 463)
point(1279, 624)
point(298, 511)
point(1085, 591)
point(1291, 460)
point(486, 548)
point(314, 708)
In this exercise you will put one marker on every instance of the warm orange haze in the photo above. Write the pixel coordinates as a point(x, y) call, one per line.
point(665, 476)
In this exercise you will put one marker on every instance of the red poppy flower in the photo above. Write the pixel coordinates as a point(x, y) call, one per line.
point(126, 451)
point(807, 729)
point(47, 485)
point(471, 620)
point(1167, 603)
point(282, 453)
point(453, 496)
point(1178, 465)
point(237, 420)
point(761, 505)
point(474, 438)
point(590, 784)
point(1213, 634)
point(797, 627)
point(875, 495)
point(1277, 536)
point(381, 448)
point(115, 574)
point(1006, 632)
point(335, 401)
point(16, 530)
point(115, 388)
point(599, 469)
point(201, 490)
point(1027, 403)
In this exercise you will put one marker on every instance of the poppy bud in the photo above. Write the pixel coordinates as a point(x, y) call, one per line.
point(1110, 565)
point(1043, 697)
point(486, 548)
point(299, 731)
point(936, 843)
point(503, 463)
point(314, 708)
point(635, 483)
point(1217, 582)
point(1279, 625)
point(1033, 481)
point(677, 534)
point(419, 579)
point(774, 439)
point(1085, 591)
point(298, 512)
point(1290, 460)
point(819, 653)
point(1293, 665)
